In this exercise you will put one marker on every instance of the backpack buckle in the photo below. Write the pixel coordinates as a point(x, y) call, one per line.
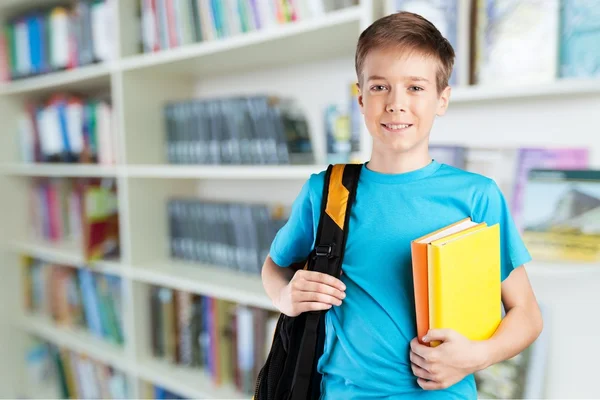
point(324, 250)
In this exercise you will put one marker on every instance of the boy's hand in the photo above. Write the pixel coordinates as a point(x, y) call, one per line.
point(443, 366)
point(310, 291)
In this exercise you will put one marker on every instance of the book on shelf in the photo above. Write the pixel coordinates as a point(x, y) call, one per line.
point(238, 130)
point(229, 341)
point(343, 126)
point(509, 166)
point(516, 41)
point(169, 24)
point(82, 212)
point(57, 38)
point(67, 374)
point(580, 31)
point(227, 235)
point(561, 215)
point(68, 128)
point(74, 297)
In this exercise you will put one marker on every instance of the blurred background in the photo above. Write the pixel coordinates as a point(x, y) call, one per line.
point(151, 150)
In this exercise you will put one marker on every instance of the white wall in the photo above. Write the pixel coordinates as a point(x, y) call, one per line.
point(572, 298)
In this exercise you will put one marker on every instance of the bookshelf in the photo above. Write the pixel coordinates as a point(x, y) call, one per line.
point(276, 59)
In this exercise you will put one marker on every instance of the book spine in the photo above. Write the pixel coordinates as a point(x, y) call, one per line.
point(434, 286)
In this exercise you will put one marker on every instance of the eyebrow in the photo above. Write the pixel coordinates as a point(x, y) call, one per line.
point(410, 78)
point(418, 79)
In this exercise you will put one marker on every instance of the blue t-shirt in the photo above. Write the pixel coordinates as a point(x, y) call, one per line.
point(367, 348)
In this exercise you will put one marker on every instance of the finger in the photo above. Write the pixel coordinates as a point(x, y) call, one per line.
point(424, 351)
point(429, 385)
point(420, 372)
point(324, 278)
point(420, 361)
point(442, 335)
point(322, 288)
point(313, 306)
point(317, 297)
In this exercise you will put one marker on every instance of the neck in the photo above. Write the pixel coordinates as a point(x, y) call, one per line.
point(394, 163)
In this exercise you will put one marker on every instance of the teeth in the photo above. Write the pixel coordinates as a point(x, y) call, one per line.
point(397, 126)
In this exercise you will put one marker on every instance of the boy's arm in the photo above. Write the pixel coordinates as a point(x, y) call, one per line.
point(522, 323)
point(442, 366)
point(293, 292)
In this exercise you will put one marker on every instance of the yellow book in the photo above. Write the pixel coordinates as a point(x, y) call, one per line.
point(464, 282)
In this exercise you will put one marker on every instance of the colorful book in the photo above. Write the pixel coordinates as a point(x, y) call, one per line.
point(464, 282)
point(419, 250)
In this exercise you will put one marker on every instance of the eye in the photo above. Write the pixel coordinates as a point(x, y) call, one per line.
point(378, 88)
point(416, 88)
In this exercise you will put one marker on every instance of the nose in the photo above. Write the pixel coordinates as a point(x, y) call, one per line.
point(396, 102)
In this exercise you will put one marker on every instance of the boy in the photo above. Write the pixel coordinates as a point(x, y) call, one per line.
point(403, 65)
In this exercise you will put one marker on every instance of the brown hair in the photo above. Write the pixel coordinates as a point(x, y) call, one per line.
point(407, 32)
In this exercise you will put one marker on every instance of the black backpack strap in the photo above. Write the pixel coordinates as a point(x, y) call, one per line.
point(339, 193)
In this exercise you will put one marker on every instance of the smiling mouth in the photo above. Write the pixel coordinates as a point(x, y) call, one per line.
point(396, 127)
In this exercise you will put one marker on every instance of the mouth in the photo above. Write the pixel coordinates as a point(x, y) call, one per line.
point(396, 127)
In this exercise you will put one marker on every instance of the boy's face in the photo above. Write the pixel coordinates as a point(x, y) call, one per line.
point(399, 100)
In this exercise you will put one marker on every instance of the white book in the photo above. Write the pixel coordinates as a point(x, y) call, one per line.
point(59, 48)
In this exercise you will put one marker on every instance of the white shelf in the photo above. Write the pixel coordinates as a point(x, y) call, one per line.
point(322, 37)
point(78, 341)
point(59, 170)
point(64, 253)
point(82, 78)
point(205, 280)
point(525, 92)
point(224, 172)
point(188, 382)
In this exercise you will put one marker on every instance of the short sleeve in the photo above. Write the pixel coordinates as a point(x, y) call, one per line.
point(294, 241)
point(493, 209)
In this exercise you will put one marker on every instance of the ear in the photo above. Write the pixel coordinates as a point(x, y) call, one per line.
point(443, 101)
point(360, 98)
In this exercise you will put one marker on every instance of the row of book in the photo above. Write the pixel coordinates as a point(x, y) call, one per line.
point(68, 128)
point(229, 341)
point(81, 211)
point(553, 196)
point(75, 297)
point(70, 375)
point(57, 38)
point(239, 130)
point(515, 42)
point(168, 24)
point(234, 236)
point(160, 393)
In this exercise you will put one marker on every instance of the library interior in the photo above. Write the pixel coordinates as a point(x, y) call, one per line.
point(131, 258)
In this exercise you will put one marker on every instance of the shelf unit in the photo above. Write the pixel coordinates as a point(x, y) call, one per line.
point(139, 84)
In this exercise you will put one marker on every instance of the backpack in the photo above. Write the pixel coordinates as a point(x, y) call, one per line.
point(290, 371)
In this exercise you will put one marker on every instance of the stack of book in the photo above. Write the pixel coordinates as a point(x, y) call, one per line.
point(75, 297)
point(68, 128)
point(229, 341)
point(233, 236)
point(457, 277)
point(172, 23)
point(81, 212)
point(57, 38)
point(72, 375)
point(240, 130)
